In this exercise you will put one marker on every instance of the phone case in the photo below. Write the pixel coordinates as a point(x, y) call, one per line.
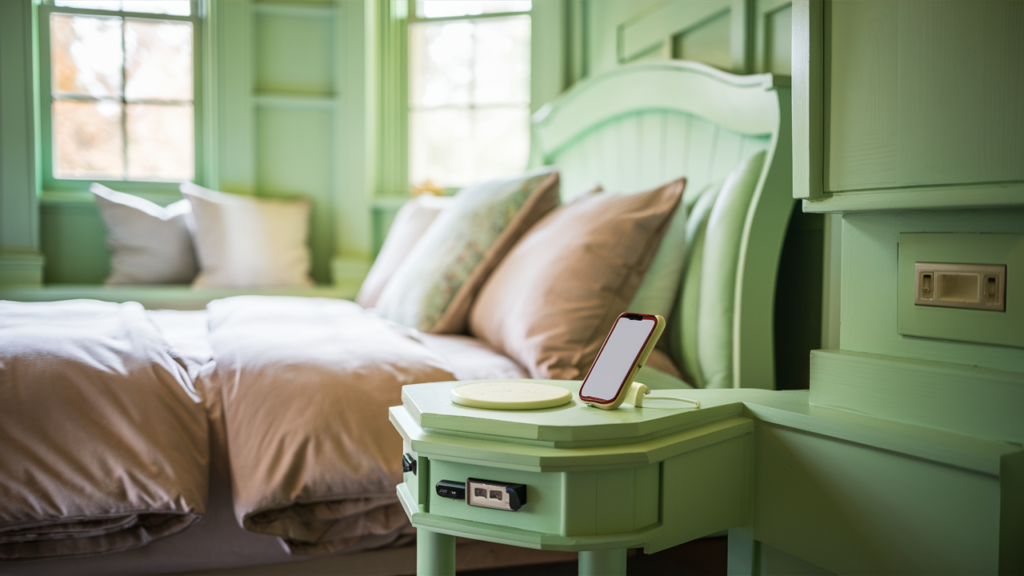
point(641, 360)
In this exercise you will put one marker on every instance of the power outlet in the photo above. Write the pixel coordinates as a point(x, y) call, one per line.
point(973, 286)
point(944, 292)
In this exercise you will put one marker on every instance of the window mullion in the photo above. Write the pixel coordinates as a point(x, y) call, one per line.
point(88, 98)
point(417, 20)
point(120, 13)
point(471, 106)
point(124, 100)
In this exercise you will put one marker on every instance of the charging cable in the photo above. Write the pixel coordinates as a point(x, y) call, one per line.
point(638, 391)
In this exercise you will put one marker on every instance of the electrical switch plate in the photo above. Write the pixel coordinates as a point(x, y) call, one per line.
point(974, 286)
point(962, 287)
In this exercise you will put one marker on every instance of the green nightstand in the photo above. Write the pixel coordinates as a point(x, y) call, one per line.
point(596, 482)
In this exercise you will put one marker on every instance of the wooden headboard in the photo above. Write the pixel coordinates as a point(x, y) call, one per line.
point(646, 124)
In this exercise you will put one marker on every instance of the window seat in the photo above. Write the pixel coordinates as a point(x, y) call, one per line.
point(177, 297)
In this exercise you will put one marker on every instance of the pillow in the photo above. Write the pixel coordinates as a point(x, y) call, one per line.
point(659, 289)
point(409, 224)
point(555, 296)
point(149, 244)
point(722, 241)
point(246, 241)
point(434, 286)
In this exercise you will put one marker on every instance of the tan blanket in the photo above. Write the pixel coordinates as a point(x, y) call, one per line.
point(103, 439)
point(305, 385)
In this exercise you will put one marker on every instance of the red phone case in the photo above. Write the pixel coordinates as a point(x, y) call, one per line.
point(618, 391)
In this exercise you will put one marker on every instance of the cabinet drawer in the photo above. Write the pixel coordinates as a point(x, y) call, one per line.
point(563, 503)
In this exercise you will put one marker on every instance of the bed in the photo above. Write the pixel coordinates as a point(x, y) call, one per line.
point(631, 129)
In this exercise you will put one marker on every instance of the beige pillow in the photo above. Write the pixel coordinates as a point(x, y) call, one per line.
point(406, 229)
point(245, 241)
point(553, 298)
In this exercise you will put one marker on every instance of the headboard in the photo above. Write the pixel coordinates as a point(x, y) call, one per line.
point(646, 124)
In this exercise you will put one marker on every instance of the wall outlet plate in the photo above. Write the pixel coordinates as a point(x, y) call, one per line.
point(944, 283)
point(973, 286)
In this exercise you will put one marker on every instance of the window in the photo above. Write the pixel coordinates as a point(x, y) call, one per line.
point(469, 90)
point(118, 83)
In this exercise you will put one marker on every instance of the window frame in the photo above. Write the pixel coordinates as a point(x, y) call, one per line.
point(198, 18)
point(414, 19)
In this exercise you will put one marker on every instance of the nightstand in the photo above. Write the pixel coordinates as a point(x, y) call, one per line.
point(585, 480)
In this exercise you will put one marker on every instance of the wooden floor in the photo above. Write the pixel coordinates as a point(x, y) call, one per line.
point(705, 557)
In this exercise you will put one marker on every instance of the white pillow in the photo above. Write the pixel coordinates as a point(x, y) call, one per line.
point(247, 241)
point(149, 244)
point(409, 224)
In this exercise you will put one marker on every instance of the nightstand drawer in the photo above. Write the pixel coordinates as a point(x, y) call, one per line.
point(564, 503)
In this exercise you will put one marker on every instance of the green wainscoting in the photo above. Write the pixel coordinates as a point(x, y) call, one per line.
point(21, 262)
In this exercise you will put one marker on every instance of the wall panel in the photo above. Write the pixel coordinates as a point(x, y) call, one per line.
point(75, 243)
point(929, 94)
point(778, 45)
point(708, 42)
point(293, 159)
point(855, 509)
point(20, 260)
point(293, 54)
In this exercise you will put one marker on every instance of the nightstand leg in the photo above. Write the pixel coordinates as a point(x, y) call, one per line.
point(435, 553)
point(603, 562)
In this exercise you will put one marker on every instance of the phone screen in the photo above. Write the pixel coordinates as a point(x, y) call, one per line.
point(616, 359)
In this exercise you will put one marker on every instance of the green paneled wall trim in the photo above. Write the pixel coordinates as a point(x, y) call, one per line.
point(391, 72)
point(20, 260)
point(965, 399)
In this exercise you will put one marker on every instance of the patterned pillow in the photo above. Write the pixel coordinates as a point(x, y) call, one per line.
point(436, 283)
point(409, 225)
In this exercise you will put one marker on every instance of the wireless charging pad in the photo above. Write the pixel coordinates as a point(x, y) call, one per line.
point(510, 395)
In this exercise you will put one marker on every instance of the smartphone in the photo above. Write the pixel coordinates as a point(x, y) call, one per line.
point(624, 352)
